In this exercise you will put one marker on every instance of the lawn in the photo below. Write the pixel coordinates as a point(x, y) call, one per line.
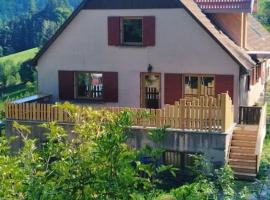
point(23, 90)
point(20, 90)
point(21, 56)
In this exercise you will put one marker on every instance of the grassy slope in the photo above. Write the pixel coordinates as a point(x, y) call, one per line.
point(18, 58)
point(21, 56)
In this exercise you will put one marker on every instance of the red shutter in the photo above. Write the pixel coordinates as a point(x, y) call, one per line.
point(149, 31)
point(251, 77)
point(254, 75)
point(110, 83)
point(224, 83)
point(66, 85)
point(114, 31)
point(173, 88)
point(248, 83)
point(259, 71)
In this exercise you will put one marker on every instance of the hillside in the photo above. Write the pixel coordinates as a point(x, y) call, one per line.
point(20, 57)
point(12, 84)
point(31, 23)
point(9, 8)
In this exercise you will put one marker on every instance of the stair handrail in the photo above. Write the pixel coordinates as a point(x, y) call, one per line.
point(260, 136)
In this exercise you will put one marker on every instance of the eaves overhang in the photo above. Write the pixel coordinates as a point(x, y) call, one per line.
point(226, 6)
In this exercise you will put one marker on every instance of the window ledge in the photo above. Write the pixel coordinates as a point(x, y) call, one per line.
point(86, 101)
point(132, 45)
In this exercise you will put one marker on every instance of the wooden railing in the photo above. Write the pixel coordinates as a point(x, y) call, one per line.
point(203, 114)
point(261, 136)
point(249, 115)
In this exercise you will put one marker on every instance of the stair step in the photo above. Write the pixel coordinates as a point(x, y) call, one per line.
point(244, 156)
point(244, 137)
point(245, 132)
point(244, 169)
point(245, 176)
point(246, 150)
point(241, 143)
point(243, 163)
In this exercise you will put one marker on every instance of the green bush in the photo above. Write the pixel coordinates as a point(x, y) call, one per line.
point(93, 162)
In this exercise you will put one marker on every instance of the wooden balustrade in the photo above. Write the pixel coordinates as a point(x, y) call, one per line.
point(201, 114)
point(249, 115)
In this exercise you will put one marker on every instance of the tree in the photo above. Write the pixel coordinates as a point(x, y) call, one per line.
point(34, 27)
point(9, 74)
point(27, 71)
point(95, 164)
point(1, 51)
point(32, 7)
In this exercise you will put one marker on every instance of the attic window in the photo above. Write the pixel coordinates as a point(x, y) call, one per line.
point(132, 31)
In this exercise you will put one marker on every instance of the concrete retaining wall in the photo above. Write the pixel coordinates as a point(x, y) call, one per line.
point(213, 145)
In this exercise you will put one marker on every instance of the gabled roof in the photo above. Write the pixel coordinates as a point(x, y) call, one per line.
point(258, 38)
point(238, 54)
point(215, 6)
point(132, 4)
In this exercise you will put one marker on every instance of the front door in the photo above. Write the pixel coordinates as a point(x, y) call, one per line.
point(150, 90)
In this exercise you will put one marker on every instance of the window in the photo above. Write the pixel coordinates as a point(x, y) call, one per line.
point(181, 160)
point(199, 85)
point(89, 85)
point(132, 31)
point(173, 158)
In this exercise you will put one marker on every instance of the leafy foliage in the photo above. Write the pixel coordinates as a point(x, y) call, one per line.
point(93, 162)
point(264, 13)
point(9, 74)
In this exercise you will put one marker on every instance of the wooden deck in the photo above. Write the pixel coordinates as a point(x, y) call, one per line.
point(207, 114)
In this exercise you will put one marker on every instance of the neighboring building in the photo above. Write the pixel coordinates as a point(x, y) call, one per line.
point(147, 53)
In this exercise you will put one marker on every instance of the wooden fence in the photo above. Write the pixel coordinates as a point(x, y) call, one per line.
point(203, 114)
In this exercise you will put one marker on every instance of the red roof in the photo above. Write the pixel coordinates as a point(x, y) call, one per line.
point(225, 5)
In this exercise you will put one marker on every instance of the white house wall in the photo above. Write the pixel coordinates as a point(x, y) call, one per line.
point(182, 46)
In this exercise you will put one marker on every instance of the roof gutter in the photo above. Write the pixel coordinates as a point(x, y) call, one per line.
point(259, 54)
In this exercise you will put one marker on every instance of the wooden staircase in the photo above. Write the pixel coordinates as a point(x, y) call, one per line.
point(242, 157)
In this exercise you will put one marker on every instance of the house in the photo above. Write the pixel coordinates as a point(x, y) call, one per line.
point(150, 53)
point(145, 53)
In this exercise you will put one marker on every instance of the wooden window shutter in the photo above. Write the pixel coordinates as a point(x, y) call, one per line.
point(259, 71)
point(224, 83)
point(66, 85)
point(248, 83)
point(110, 84)
point(149, 31)
point(252, 82)
point(254, 75)
point(173, 88)
point(114, 31)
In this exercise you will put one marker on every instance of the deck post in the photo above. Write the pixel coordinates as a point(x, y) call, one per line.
point(226, 113)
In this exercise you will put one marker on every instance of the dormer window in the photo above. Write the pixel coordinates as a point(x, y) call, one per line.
point(132, 31)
